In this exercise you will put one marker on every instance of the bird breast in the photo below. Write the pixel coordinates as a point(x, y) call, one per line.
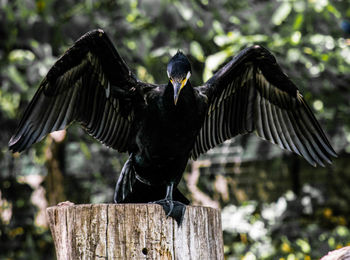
point(166, 136)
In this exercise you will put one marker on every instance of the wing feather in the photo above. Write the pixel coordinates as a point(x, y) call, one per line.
point(81, 87)
point(252, 93)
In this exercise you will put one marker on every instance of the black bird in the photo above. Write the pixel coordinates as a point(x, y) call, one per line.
point(162, 126)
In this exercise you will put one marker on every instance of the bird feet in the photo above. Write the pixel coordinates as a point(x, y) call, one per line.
point(174, 209)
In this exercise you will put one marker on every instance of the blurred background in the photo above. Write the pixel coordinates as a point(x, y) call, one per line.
point(274, 205)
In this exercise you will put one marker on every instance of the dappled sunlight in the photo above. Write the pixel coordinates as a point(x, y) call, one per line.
point(274, 205)
point(58, 136)
point(5, 210)
point(37, 198)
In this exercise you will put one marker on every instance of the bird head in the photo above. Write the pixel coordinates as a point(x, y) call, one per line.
point(179, 71)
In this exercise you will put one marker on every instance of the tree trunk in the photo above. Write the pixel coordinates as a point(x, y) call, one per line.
point(134, 231)
point(54, 153)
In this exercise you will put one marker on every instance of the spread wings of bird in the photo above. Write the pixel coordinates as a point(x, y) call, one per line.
point(251, 93)
point(90, 84)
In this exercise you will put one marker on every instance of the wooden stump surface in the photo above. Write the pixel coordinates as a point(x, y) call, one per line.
point(339, 254)
point(134, 231)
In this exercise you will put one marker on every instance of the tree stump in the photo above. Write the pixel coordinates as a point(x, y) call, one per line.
point(134, 231)
point(339, 254)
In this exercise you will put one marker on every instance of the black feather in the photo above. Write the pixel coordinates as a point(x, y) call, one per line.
point(265, 99)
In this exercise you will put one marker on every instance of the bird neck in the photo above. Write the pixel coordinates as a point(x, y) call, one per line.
point(187, 87)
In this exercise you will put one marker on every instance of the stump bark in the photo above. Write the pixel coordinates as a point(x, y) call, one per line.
point(134, 231)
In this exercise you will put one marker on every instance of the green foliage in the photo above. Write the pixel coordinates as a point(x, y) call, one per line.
point(290, 228)
point(305, 36)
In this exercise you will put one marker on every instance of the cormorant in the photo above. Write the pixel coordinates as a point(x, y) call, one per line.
point(162, 126)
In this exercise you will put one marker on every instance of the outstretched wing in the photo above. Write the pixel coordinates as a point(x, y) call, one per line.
point(251, 93)
point(90, 84)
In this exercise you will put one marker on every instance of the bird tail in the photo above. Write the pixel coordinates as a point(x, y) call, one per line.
point(125, 182)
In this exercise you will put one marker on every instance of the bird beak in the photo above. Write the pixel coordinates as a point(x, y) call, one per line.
point(178, 85)
point(177, 88)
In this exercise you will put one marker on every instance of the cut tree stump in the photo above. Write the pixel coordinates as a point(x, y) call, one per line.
point(339, 254)
point(134, 231)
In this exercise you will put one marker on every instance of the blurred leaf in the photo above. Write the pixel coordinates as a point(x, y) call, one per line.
point(16, 77)
point(281, 13)
point(22, 57)
point(184, 10)
point(143, 75)
point(331, 8)
point(295, 38)
point(197, 51)
point(84, 148)
point(298, 22)
point(213, 62)
point(235, 20)
point(304, 245)
point(218, 27)
point(9, 103)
